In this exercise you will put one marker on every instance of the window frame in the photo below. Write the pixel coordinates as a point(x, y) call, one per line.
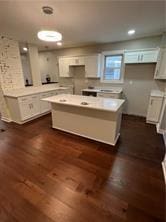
point(112, 53)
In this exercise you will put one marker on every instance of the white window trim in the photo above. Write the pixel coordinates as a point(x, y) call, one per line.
point(116, 52)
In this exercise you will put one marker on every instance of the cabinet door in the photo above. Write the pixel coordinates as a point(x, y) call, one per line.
point(160, 72)
point(25, 106)
point(44, 106)
point(141, 56)
point(35, 110)
point(154, 109)
point(64, 67)
point(92, 66)
point(149, 56)
point(77, 61)
point(131, 57)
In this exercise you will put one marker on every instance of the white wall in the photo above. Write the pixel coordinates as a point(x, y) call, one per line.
point(26, 68)
point(11, 75)
point(34, 64)
point(48, 65)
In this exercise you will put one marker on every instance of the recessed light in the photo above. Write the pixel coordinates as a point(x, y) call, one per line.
point(25, 49)
point(59, 43)
point(49, 36)
point(131, 32)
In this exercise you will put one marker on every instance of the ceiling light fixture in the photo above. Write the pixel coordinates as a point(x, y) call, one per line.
point(50, 36)
point(59, 43)
point(47, 10)
point(131, 32)
point(25, 49)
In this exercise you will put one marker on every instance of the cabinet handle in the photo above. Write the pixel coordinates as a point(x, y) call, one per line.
point(142, 57)
point(30, 106)
point(151, 102)
point(138, 58)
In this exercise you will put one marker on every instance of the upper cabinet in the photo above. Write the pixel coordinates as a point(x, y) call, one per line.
point(141, 56)
point(160, 72)
point(90, 63)
point(77, 61)
point(92, 66)
point(64, 67)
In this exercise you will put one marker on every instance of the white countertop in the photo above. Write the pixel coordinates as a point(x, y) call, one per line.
point(99, 103)
point(104, 90)
point(32, 90)
point(157, 93)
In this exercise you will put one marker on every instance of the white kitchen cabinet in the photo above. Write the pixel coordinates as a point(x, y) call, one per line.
point(154, 109)
point(160, 72)
point(26, 108)
point(25, 105)
point(141, 56)
point(29, 106)
point(65, 68)
point(109, 95)
point(92, 66)
point(77, 61)
point(44, 106)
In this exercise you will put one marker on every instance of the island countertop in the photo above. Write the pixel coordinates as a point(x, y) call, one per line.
point(106, 104)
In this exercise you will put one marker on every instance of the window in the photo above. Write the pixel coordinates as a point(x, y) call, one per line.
point(112, 67)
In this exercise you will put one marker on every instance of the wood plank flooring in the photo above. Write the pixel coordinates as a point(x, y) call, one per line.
point(51, 176)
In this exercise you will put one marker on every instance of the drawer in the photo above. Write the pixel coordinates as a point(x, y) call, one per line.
point(24, 99)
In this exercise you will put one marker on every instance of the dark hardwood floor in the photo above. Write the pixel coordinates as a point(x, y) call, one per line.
point(48, 175)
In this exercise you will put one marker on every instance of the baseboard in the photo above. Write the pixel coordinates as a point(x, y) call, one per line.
point(164, 170)
point(160, 131)
point(8, 120)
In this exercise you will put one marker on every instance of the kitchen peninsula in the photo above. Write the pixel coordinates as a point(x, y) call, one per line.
point(94, 118)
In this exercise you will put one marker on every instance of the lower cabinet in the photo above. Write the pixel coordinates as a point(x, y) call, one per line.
point(44, 106)
point(23, 109)
point(29, 106)
point(154, 109)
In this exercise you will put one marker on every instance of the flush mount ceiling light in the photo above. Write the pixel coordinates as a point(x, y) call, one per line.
point(131, 32)
point(59, 43)
point(50, 36)
point(47, 10)
point(25, 49)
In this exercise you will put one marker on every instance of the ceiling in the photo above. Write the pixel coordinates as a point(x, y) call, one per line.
point(82, 22)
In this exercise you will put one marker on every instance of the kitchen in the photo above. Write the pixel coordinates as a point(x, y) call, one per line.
point(107, 105)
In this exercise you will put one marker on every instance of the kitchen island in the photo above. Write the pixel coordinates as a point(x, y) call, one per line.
point(91, 117)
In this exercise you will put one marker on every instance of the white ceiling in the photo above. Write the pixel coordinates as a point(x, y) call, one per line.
point(82, 22)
